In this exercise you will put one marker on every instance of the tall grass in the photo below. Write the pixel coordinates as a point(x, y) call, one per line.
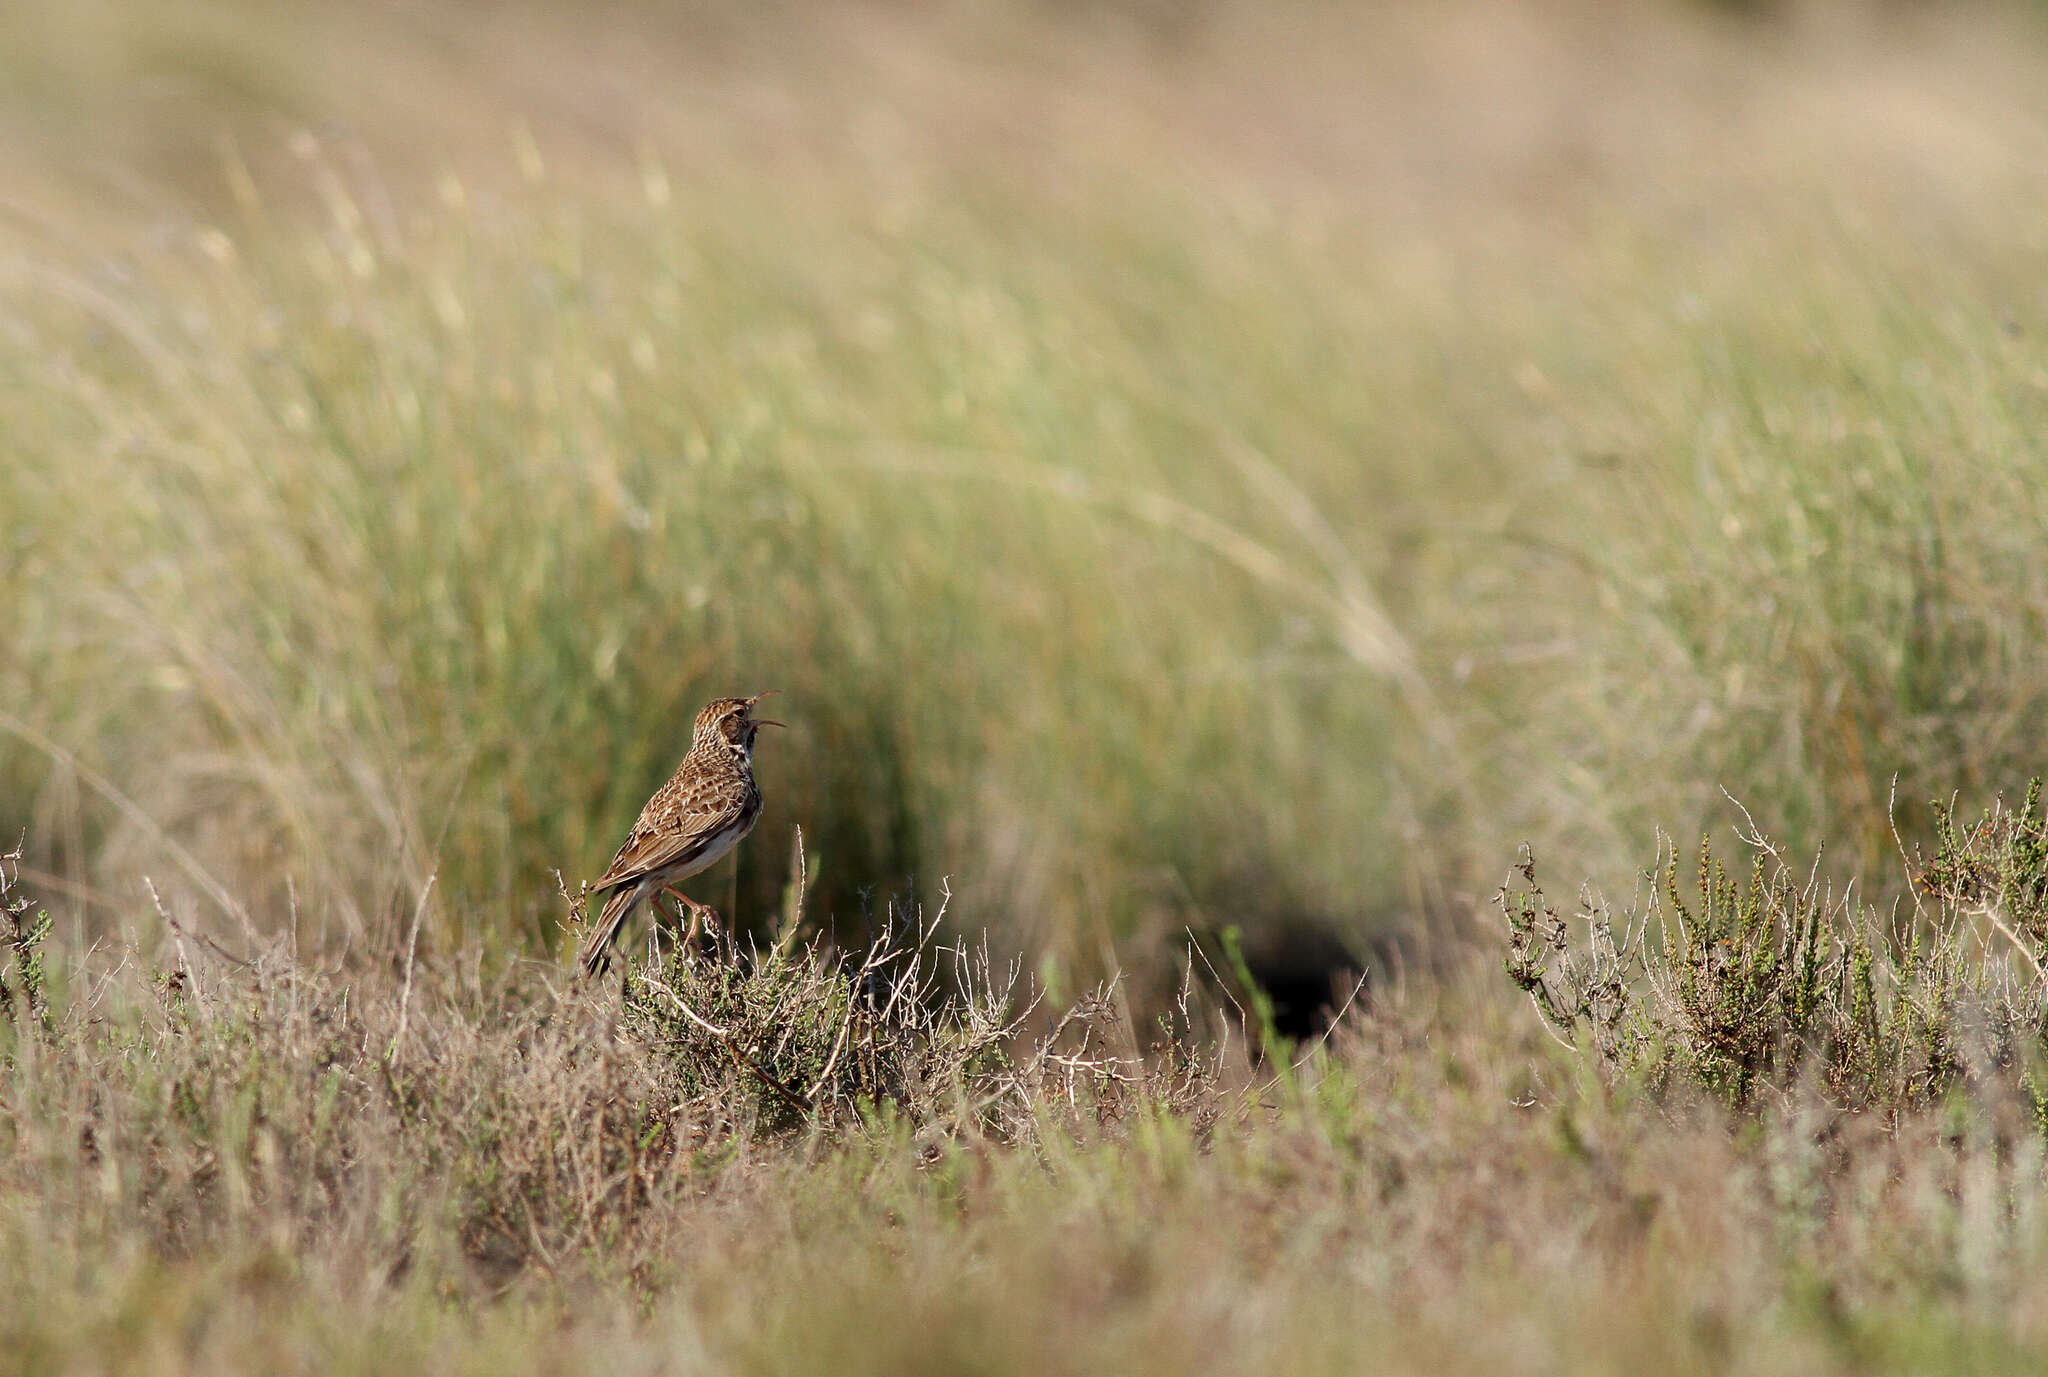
point(1141, 542)
point(365, 566)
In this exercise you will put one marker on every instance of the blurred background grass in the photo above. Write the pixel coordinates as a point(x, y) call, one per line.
point(1184, 464)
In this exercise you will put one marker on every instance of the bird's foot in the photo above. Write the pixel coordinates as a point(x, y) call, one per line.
point(702, 917)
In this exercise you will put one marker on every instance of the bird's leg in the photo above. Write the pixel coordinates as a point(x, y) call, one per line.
point(674, 918)
point(700, 914)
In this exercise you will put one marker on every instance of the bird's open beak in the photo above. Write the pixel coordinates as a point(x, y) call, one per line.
point(765, 721)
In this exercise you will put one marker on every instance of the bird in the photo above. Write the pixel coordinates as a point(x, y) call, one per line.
point(699, 815)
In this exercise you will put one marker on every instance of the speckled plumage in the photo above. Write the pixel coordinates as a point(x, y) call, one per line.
point(699, 815)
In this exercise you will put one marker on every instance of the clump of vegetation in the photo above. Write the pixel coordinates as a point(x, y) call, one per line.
point(22, 978)
point(802, 1033)
point(1779, 979)
point(809, 1035)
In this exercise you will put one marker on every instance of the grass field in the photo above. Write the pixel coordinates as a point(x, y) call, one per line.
point(1187, 467)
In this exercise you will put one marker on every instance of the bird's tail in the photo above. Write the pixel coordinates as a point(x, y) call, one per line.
point(595, 957)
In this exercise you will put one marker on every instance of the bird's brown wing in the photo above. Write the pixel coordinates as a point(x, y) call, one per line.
point(674, 826)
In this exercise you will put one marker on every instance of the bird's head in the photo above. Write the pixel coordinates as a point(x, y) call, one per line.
point(730, 723)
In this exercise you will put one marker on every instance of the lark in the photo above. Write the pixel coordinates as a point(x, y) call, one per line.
point(691, 821)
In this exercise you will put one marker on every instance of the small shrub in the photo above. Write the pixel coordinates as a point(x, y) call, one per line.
point(786, 1034)
point(22, 977)
point(1779, 979)
point(810, 1035)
